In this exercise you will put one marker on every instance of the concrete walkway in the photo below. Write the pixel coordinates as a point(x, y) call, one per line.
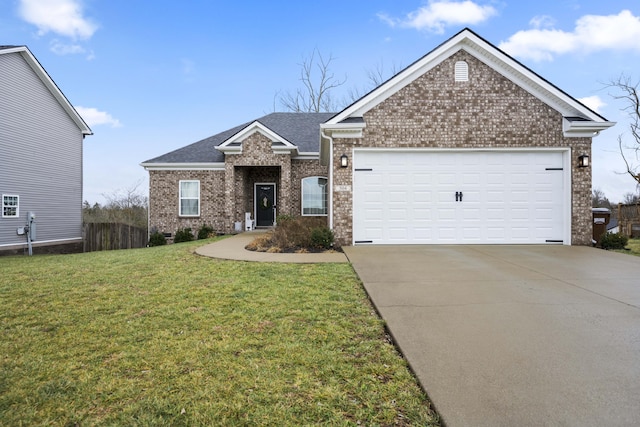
point(233, 248)
point(514, 335)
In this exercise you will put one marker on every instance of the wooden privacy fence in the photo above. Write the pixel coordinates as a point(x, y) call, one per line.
point(105, 236)
point(629, 219)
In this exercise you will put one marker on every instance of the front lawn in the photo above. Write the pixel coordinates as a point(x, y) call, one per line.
point(160, 336)
point(633, 247)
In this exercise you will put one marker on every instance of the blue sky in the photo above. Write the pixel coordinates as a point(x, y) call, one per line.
point(150, 77)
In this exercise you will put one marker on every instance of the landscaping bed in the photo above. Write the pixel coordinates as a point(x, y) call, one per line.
point(296, 235)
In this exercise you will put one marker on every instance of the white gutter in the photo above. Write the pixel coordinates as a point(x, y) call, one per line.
point(182, 166)
point(583, 128)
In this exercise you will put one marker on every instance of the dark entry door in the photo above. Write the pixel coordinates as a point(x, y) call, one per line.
point(265, 204)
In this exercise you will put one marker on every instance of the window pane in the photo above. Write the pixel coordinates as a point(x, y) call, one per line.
point(314, 196)
point(189, 207)
point(189, 188)
point(10, 205)
point(189, 198)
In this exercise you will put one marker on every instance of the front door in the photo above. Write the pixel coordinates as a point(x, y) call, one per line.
point(265, 204)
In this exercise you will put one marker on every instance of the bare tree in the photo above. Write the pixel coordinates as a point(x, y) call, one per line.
point(127, 198)
point(599, 200)
point(126, 206)
point(629, 92)
point(630, 198)
point(318, 82)
point(375, 77)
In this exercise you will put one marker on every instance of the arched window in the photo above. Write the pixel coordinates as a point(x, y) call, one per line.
point(314, 196)
point(462, 71)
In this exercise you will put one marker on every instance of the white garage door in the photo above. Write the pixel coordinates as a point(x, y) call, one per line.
point(454, 197)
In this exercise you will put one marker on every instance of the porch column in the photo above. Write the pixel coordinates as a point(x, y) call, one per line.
point(230, 194)
point(284, 202)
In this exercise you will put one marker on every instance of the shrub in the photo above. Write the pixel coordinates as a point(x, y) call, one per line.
point(294, 233)
point(283, 218)
point(321, 237)
point(183, 235)
point(157, 239)
point(613, 241)
point(205, 232)
point(260, 243)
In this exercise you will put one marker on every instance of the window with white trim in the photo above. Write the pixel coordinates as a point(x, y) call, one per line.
point(190, 198)
point(314, 196)
point(10, 206)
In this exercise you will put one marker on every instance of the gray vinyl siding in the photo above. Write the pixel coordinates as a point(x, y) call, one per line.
point(40, 156)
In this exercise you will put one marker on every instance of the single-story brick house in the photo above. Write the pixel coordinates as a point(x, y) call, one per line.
point(466, 145)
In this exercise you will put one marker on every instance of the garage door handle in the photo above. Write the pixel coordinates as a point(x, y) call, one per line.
point(458, 196)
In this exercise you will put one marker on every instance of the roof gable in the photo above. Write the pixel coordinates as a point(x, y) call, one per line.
point(499, 61)
point(233, 144)
point(300, 130)
point(49, 84)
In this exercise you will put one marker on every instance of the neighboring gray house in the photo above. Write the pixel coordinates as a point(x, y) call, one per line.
point(41, 137)
point(464, 146)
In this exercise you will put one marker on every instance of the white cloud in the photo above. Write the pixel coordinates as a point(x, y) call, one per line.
point(439, 14)
point(594, 102)
point(60, 48)
point(63, 17)
point(94, 117)
point(592, 33)
point(542, 21)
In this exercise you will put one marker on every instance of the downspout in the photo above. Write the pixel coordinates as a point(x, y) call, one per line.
point(330, 164)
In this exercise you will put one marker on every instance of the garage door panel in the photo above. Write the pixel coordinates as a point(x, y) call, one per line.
point(507, 197)
point(446, 178)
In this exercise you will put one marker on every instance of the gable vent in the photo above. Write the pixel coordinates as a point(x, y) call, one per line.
point(462, 71)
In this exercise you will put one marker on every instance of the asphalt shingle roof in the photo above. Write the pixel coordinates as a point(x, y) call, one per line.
point(301, 129)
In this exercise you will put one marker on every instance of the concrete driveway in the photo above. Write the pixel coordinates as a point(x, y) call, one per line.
point(514, 335)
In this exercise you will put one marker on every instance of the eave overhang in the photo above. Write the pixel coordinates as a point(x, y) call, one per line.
point(351, 128)
point(578, 127)
point(280, 145)
point(182, 166)
point(51, 86)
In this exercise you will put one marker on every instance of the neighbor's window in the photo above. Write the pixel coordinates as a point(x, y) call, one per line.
point(10, 206)
point(189, 198)
point(314, 196)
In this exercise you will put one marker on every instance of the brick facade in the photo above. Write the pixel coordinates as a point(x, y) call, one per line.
point(487, 111)
point(225, 195)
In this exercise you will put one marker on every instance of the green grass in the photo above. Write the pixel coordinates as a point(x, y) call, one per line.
point(632, 248)
point(161, 336)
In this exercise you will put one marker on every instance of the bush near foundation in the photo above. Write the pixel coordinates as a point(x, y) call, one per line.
point(613, 241)
point(183, 235)
point(157, 239)
point(205, 232)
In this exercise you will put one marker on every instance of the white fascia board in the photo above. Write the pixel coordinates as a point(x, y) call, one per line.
point(183, 166)
point(583, 129)
point(51, 86)
point(250, 130)
point(306, 156)
point(234, 149)
point(284, 150)
point(343, 130)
